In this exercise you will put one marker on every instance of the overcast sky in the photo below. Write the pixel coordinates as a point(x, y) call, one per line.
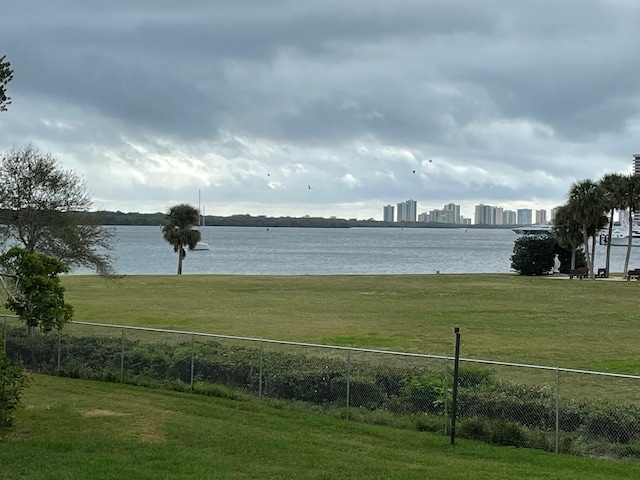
point(367, 102)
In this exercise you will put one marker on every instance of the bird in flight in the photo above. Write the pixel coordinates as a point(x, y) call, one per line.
point(308, 186)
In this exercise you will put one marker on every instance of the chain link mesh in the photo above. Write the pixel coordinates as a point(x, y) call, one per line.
point(585, 413)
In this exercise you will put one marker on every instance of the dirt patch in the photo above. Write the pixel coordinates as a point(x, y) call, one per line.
point(103, 413)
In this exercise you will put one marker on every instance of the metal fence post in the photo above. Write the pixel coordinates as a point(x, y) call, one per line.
point(557, 410)
point(260, 371)
point(122, 358)
point(348, 379)
point(193, 359)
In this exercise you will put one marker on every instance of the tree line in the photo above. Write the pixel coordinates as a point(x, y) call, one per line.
point(590, 207)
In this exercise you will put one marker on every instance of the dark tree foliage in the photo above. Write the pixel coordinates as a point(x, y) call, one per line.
point(6, 75)
point(45, 209)
point(533, 255)
point(36, 296)
point(180, 230)
point(564, 256)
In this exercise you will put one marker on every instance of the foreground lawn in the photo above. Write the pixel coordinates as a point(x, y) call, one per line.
point(578, 324)
point(79, 429)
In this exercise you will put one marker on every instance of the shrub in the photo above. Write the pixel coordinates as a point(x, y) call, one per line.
point(12, 382)
point(533, 255)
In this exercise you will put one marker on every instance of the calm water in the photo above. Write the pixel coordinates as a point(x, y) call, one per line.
point(320, 251)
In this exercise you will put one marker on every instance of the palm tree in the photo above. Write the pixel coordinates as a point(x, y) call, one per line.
point(180, 230)
point(630, 196)
point(587, 205)
point(612, 184)
point(567, 231)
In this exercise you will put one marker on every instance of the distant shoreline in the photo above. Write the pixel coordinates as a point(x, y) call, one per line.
point(154, 219)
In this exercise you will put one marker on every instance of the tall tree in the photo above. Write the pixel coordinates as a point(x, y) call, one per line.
point(180, 230)
point(44, 208)
point(586, 201)
point(6, 75)
point(612, 184)
point(36, 294)
point(568, 231)
point(630, 196)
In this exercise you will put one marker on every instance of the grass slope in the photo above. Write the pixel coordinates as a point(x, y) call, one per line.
point(580, 323)
point(75, 429)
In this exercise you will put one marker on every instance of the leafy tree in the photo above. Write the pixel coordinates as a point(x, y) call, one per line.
point(612, 185)
point(180, 230)
point(12, 382)
point(630, 200)
point(34, 291)
point(566, 256)
point(6, 75)
point(587, 205)
point(533, 255)
point(567, 232)
point(45, 209)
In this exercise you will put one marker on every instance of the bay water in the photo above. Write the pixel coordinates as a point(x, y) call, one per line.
point(141, 250)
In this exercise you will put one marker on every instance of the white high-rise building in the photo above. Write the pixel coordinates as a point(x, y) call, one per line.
point(636, 171)
point(524, 216)
point(407, 211)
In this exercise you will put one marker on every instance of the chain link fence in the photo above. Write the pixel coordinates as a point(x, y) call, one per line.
point(554, 409)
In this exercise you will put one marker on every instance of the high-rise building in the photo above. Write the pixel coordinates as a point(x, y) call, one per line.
point(636, 171)
point(455, 212)
point(524, 216)
point(541, 216)
point(407, 211)
point(388, 213)
point(509, 217)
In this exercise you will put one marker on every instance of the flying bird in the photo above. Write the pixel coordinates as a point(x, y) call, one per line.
point(308, 186)
point(413, 171)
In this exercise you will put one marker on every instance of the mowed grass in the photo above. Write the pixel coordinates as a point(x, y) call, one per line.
point(77, 429)
point(577, 324)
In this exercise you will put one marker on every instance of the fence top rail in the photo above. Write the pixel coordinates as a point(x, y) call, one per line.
point(358, 349)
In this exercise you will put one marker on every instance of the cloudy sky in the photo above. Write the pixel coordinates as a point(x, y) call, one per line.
point(368, 102)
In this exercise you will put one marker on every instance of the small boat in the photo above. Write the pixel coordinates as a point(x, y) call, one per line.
point(201, 245)
point(536, 229)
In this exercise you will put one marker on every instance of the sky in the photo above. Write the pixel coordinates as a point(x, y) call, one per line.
point(325, 108)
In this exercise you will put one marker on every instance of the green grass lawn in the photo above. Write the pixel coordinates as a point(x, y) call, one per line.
point(578, 324)
point(77, 429)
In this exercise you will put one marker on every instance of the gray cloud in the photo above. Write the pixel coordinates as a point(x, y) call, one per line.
point(253, 101)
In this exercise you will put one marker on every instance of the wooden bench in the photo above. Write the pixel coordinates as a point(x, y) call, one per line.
point(581, 272)
point(602, 273)
point(633, 274)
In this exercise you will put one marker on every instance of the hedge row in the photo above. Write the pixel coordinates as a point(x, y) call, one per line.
point(499, 412)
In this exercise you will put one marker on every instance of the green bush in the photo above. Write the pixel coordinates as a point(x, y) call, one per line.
point(533, 255)
point(415, 397)
point(12, 382)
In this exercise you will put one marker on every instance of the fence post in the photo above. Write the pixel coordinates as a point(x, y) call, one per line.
point(454, 401)
point(348, 379)
point(59, 348)
point(122, 358)
point(557, 409)
point(193, 359)
point(4, 335)
point(260, 371)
